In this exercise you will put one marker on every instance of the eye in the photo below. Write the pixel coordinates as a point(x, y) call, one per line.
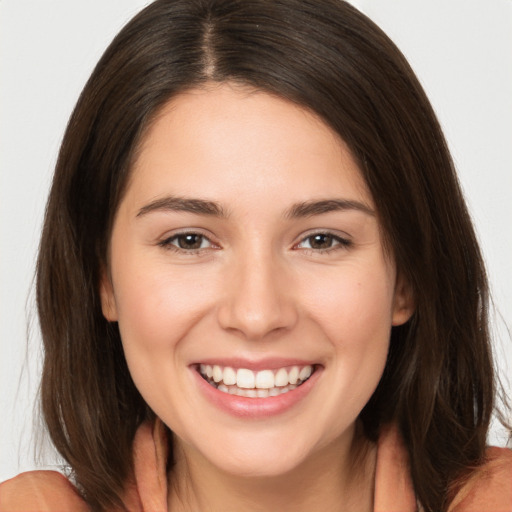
point(323, 242)
point(187, 242)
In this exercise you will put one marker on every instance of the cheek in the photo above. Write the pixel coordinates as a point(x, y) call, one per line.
point(356, 307)
point(157, 310)
point(157, 307)
point(357, 322)
point(355, 314)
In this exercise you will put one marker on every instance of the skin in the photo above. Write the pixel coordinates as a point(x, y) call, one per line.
point(259, 285)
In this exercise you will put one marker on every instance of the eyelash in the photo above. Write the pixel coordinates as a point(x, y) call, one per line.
point(340, 243)
point(169, 245)
point(337, 243)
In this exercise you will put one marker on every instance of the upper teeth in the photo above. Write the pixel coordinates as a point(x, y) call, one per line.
point(263, 379)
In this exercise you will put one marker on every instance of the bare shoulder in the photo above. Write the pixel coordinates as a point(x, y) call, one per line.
point(489, 489)
point(42, 491)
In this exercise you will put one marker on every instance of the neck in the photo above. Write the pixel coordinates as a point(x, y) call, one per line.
point(340, 477)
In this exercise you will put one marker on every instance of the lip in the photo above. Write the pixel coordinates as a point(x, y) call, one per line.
point(255, 408)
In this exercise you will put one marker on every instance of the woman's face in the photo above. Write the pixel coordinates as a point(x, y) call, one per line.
point(246, 255)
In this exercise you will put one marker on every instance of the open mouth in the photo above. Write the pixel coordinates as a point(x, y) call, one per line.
point(255, 384)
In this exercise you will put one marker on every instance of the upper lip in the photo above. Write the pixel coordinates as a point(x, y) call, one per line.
point(267, 363)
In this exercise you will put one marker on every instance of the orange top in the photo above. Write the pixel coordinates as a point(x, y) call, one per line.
point(488, 490)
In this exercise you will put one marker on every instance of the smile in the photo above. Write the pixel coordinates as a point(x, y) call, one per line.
point(255, 384)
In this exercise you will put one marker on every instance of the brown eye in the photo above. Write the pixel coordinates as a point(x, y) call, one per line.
point(189, 241)
point(321, 241)
point(186, 242)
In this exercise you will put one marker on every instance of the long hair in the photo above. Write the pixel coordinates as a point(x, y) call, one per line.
point(438, 384)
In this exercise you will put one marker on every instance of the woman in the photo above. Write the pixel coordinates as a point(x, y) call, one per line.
point(250, 277)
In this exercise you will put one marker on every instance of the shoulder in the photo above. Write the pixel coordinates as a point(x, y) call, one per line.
point(489, 488)
point(44, 491)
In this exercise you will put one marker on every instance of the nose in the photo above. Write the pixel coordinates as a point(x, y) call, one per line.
point(258, 298)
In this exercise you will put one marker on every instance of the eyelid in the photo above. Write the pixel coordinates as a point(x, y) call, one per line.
point(165, 241)
point(343, 241)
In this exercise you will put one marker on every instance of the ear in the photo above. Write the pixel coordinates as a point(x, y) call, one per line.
point(403, 302)
point(108, 301)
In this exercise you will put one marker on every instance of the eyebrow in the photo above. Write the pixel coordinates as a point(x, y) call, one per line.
point(214, 209)
point(311, 208)
point(184, 204)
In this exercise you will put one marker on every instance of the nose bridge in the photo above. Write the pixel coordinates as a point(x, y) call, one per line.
point(257, 300)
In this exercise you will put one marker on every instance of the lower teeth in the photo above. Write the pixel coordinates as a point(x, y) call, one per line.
point(252, 393)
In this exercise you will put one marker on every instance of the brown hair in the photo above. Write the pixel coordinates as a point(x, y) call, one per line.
point(438, 385)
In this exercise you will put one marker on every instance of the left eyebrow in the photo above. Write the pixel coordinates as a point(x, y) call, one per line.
point(184, 204)
point(310, 208)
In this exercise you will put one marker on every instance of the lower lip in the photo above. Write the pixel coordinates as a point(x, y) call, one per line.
point(246, 407)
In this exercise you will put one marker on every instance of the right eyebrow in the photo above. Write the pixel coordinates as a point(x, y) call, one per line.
point(183, 204)
point(312, 208)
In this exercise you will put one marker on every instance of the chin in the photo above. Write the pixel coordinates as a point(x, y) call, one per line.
point(260, 467)
point(259, 458)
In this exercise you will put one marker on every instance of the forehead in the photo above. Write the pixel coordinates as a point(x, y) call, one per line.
point(233, 142)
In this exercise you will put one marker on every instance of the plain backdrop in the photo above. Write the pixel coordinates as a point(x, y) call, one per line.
point(460, 49)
